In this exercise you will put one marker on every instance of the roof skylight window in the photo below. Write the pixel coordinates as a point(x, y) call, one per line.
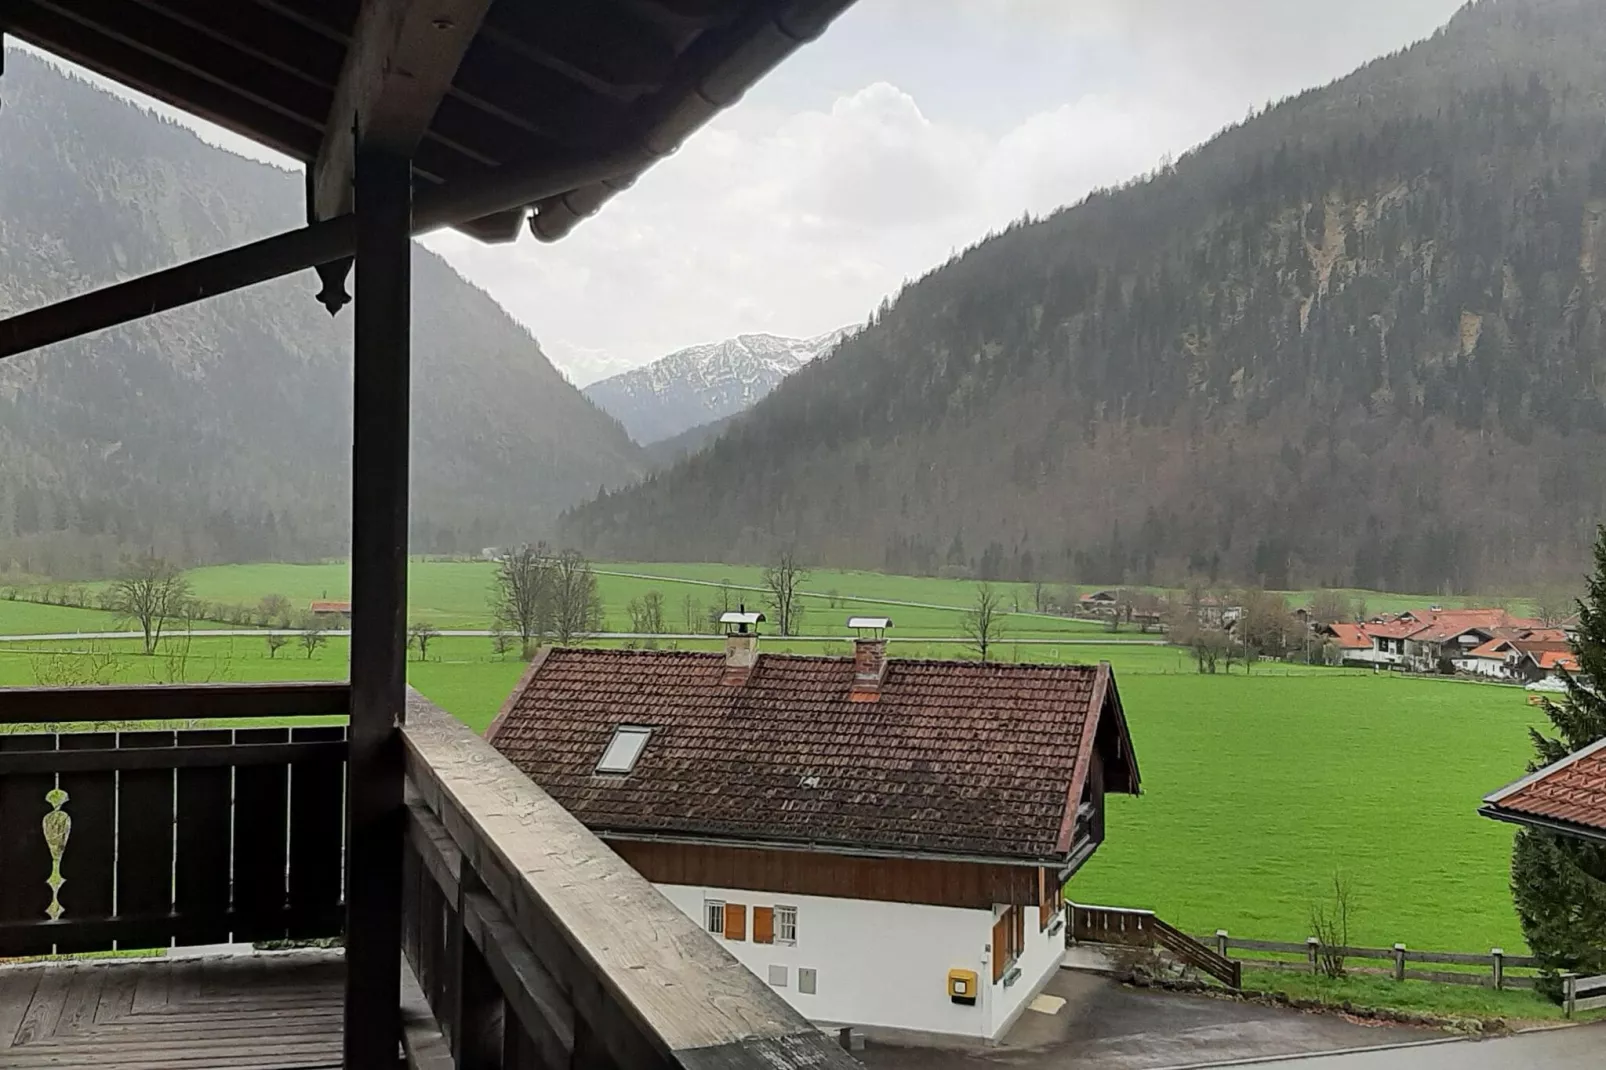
point(624, 750)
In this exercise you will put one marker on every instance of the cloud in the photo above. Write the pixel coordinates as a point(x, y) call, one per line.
point(799, 226)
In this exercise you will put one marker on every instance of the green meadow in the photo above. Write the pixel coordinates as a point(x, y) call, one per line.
point(1256, 788)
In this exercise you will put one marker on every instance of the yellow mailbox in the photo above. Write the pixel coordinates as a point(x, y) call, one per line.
point(962, 986)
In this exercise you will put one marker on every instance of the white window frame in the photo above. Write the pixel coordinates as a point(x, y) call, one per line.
point(786, 919)
point(709, 906)
point(625, 749)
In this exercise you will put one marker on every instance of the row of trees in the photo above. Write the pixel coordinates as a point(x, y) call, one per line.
point(539, 593)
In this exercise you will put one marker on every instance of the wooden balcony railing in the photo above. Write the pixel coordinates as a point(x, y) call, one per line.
point(131, 818)
point(532, 944)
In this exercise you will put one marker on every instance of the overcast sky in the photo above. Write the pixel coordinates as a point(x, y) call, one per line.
point(907, 132)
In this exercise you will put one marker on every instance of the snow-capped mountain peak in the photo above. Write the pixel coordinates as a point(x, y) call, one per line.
point(706, 382)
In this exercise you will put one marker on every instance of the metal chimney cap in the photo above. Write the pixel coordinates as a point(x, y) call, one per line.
point(878, 623)
point(741, 618)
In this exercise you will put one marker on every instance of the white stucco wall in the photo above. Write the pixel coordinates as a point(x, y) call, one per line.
point(1038, 961)
point(884, 964)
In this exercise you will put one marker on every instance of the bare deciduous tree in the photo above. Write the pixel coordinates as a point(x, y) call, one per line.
point(1331, 607)
point(1554, 606)
point(521, 594)
point(274, 610)
point(647, 614)
point(419, 633)
point(1329, 924)
point(72, 668)
point(576, 599)
point(692, 613)
point(150, 592)
point(275, 640)
point(312, 636)
point(781, 582)
point(983, 622)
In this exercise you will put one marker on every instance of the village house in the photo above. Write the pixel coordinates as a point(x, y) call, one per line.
point(884, 842)
point(326, 611)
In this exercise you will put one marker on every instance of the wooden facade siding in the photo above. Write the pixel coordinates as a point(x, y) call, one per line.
point(535, 945)
point(146, 839)
point(976, 885)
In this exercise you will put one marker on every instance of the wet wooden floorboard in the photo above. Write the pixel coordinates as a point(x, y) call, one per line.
point(263, 1012)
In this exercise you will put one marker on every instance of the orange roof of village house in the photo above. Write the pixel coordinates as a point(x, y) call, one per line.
point(1496, 649)
point(1569, 796)
point(954, 758)
point(1350, 636)
point(1550, 660)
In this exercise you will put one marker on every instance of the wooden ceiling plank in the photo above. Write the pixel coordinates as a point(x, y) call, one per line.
point(139, 70)
point(198, 54)
point(258, 32)
point(401, 61)
point(608, 48)
point(333, 19)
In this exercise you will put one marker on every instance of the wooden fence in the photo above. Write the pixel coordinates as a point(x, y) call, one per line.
point(1273, 955)
point(1583, 993)
point(1140, 928)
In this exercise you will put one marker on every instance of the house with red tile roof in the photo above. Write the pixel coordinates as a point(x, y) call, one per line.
point(1568, 797)
point(884, 841)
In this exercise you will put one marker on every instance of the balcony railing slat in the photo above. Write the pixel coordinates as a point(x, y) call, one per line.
point(547, 901)
point(171, 702)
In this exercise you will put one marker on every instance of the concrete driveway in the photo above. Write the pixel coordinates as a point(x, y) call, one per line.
point(1103, 1025)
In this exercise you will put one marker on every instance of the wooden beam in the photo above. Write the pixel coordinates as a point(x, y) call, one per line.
point(376, 814)
point(102, 760)
point(170, 702)
point(496, 190)
point(400, 62)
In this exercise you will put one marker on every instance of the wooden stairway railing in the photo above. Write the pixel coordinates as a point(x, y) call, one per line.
point(1141, 928)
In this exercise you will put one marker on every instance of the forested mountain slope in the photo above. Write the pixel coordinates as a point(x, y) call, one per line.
point(1358, 338)
point(222, 431)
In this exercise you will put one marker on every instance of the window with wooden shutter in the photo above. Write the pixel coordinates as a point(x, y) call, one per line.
point(763, 925)
point(735, 921)
point(1000, 947)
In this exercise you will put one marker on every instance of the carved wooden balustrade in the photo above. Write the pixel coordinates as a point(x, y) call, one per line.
point(146, 817)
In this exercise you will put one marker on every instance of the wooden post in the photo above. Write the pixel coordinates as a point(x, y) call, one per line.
point(1313, 949)
point(1497, 958)
point(1399, 962)
point(1221, 942)
point(1569, 994)
point(375, 824)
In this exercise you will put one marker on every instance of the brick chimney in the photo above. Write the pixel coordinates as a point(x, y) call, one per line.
point(869, 657)
point(869, 666)
point(741, 645)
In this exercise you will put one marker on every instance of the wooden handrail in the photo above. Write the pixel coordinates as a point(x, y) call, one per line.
point(573, 945)
point(1143, 928)
point(171, 702)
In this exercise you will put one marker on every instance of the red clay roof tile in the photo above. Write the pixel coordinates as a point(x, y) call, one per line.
point(1571, 791)
point(954, 757)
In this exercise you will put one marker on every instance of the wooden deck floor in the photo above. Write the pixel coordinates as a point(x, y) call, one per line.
point(263, 1012)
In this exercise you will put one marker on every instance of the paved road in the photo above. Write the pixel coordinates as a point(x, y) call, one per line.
point(481, 633)
point(1576, 1048)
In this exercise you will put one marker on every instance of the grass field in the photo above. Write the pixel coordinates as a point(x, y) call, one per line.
point(1256, 788)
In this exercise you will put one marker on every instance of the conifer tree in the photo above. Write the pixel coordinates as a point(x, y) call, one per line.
point(1559, 882)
